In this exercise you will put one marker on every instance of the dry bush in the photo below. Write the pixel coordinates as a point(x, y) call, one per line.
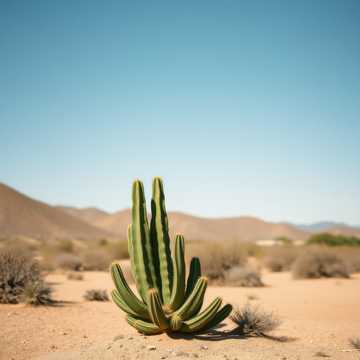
point(118, 250)
point(252, 321)
point(355, 343)
point(96, 260)
point(75, 276)
point(69, 262)
point(37, 293)
point(96, 295)
point(217, 258)
point(21, 281)
point(351, 256)
point(319, 262)
point(280, 258)
point(243, 276)
point(65, 246)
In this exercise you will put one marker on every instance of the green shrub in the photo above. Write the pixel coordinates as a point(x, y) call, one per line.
point(37, 293)
point(333, 240)
point(317, 263)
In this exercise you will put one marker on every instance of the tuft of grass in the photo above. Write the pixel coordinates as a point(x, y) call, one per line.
point(75, 276)
point(355, 343)
point(96, 295)
point(252, 321)
point(37, 293)
point(243, 276)
point(320, 262)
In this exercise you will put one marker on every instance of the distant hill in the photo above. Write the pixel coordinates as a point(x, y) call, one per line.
point(249, 229)
point(90, 214)
point(331, 227)
point(21, 215)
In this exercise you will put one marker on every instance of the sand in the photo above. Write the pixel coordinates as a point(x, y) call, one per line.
point(319, 316)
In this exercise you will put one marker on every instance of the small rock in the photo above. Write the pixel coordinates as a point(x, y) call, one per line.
point(204, 347)
point(180, 353)
point(130, 337)
point(163, 357)
point(118, 337)
point(195, 355)
point(64, 333)
point(85, 337)
point(151, 347)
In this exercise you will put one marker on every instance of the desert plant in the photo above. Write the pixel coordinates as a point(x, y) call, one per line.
point(96, 260)
point(333, 240)
point(16, 272)
point(280, 258)
point(252, 321)
point(355, 343)
point(96, 295)
point(317, 263)
point(219, 258)
point(168, 302)
point(37, 293)
point(69, 262)
point(243, 276)
point(75, 276)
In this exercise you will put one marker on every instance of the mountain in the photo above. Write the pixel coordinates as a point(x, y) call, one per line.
point(90, 214)
point(21, 215)
point(247, 229)
point(331, 227)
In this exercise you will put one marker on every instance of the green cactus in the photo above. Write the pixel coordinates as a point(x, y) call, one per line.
point(167, 301)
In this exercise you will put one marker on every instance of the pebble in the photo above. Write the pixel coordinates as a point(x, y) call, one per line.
point(151, 347)
point(118, 337)
point(180, 353)
point(204, 347)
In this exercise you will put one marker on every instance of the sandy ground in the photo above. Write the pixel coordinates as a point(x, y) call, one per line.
point(319, 316)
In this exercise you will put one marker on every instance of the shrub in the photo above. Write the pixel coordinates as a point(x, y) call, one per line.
point(66, 245)
point(96, 260)
point(333, 240)
point(69, 262)
point(96, 295)
point(37, 293)
point(218, 258)
point(252, 321)
point(317, 263)
point(355, 343)
point(243, 276)
point(20, 279)
point(75, 276)
point(280, 258)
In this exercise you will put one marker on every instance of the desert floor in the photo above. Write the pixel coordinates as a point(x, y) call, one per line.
point(319, 316)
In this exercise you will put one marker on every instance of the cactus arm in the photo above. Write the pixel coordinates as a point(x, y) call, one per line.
point(194, 302)
point(201, 320)
point(159, 230)
point(156, 311)
point(194, 274)
point(220, 316)
point(144, 327)
point(141, 247)
point(126, 294)
point(124, 307)
point(178, 289)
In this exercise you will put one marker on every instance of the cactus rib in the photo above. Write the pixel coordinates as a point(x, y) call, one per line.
point(142, 326)
point(193, 303)
point(159, 231)
point(201, 320)
point(194, 274)
point(220, 316)
point(128, 297)
point(156, 311)
point(178, 290)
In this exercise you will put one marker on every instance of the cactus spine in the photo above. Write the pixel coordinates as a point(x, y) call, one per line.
point(167, 301)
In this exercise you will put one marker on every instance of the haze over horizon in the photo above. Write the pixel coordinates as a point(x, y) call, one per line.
point(244, 108)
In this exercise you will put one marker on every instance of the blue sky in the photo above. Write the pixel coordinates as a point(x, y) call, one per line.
point(243, 107)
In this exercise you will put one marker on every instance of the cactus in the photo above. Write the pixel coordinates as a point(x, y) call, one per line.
point(168, 302)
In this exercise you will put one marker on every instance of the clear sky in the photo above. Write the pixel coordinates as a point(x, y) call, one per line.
point(243, 107)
